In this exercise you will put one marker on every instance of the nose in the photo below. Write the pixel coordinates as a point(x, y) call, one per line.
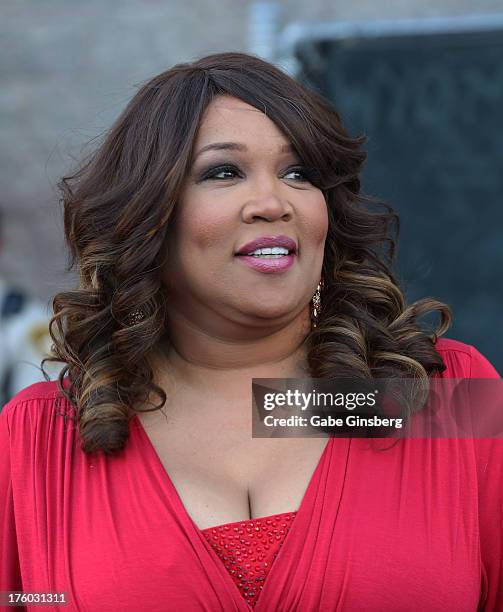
point(266, 204)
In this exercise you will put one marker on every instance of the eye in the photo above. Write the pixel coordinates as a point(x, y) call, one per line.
point(221, 173)
point(229, 172)
point(298, 173)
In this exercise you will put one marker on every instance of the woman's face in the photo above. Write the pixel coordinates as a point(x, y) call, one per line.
point(245, 183)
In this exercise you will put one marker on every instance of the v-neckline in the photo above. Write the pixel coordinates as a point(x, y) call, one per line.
point(183, 510)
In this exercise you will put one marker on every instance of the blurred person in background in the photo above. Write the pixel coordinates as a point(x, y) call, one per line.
point(220, 235)
point(24, 336)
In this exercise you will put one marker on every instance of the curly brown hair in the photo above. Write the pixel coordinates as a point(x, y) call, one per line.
point(119, 205)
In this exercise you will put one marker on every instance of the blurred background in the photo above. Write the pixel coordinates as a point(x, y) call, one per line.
point(423, 79)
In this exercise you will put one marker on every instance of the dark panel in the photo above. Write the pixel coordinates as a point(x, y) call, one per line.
point(432, 108)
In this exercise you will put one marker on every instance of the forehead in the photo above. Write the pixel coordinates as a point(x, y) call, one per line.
point(230, 119)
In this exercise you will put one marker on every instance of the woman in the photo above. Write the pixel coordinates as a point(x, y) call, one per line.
point(123, 506)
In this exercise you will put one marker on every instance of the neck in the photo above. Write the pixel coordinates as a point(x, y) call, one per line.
point(207, 359)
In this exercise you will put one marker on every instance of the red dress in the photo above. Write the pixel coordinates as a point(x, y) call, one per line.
point(416, 527)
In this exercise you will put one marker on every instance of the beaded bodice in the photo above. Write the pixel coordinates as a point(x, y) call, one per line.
point(248, 549)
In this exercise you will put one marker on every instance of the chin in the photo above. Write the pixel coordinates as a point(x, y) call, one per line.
point(268, 311)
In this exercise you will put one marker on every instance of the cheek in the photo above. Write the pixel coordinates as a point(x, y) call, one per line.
point(323, 219)
point(316, 223)
point(201, 228)
point(196, 242)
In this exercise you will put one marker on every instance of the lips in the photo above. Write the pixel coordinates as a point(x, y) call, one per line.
point(268, 241)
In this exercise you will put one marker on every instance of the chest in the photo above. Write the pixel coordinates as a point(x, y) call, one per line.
point(223, 475)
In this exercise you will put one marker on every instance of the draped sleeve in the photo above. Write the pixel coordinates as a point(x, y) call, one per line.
point(490, 475)
point(10, 573)
point(465, 361)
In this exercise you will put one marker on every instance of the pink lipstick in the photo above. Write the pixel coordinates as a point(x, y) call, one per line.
point(269, 254)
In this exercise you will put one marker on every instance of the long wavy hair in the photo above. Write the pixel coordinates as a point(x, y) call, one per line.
point(118, 207)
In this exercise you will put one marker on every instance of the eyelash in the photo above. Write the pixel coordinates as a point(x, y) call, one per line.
point(211, 174)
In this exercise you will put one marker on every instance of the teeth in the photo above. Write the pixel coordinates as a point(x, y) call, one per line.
point(270, 251)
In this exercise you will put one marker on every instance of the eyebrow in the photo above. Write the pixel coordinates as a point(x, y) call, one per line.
point(236, 146)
